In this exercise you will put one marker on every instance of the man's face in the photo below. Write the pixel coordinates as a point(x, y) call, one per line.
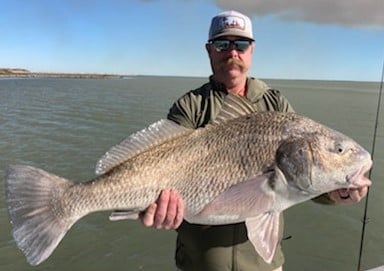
point(230, 56)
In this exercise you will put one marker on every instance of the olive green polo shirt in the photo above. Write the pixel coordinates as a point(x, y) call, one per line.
point(197, 107)
point(223, 247)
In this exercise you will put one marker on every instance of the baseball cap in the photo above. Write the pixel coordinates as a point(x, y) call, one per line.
point(230, 23)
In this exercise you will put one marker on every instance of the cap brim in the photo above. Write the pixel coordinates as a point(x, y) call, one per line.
point(231, 33)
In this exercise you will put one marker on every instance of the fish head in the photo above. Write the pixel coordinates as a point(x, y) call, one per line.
point(323, 161)
point(338, 162)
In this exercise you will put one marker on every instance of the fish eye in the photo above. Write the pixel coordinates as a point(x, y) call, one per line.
point(340, 147)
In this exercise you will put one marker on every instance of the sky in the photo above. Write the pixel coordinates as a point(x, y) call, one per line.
point(295, 39)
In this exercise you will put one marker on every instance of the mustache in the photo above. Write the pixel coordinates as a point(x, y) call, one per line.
point(232, 61)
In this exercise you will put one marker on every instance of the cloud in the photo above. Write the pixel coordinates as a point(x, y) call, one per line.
point(353, 13)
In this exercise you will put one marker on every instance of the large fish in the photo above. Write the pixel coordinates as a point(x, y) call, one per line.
point(245, 166)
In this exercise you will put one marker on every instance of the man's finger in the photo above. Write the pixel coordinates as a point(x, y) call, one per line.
point(148, 216)
point(171, 220)
point(162, 208)
point(180, 213)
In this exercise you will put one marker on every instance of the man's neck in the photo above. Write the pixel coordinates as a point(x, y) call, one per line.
point(236, 86)
point(238, 90)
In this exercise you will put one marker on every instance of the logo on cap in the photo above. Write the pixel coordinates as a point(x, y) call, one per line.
point(231, 22)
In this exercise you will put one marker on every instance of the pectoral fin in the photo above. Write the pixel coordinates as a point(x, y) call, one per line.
point(263, 232)
point(245, 199)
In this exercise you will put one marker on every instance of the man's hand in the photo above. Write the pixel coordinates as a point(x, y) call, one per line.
point(348, 196)
point(166, 213)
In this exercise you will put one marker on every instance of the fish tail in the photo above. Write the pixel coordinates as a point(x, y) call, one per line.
point(33, 203)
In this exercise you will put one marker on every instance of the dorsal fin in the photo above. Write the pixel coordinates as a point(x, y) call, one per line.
point(138, 142)
point(234, 106)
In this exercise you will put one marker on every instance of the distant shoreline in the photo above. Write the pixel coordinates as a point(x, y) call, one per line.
point(23, 73)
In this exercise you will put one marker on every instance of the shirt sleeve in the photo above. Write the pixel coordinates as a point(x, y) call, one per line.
point(275, 101)
point(284, 105)
point(184, 112)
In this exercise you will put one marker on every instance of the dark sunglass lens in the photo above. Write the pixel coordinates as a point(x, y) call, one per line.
point(221, 45)
point(242, 45)
point(224, 45)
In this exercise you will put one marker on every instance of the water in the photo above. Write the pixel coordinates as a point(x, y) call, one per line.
point(65, 125)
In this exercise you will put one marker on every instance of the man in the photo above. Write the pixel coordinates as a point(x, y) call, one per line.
point(226, 247)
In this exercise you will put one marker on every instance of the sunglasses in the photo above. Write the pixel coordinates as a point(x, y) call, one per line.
point(225, 45)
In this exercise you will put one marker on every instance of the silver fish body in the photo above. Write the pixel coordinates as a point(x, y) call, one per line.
point(240, 168)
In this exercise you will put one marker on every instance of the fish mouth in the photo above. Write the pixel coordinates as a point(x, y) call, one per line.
point(357, 179)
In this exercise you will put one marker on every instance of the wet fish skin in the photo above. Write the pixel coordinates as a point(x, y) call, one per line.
point(244, 168)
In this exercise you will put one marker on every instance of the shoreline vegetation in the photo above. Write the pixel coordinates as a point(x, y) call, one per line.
point(24, 73)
